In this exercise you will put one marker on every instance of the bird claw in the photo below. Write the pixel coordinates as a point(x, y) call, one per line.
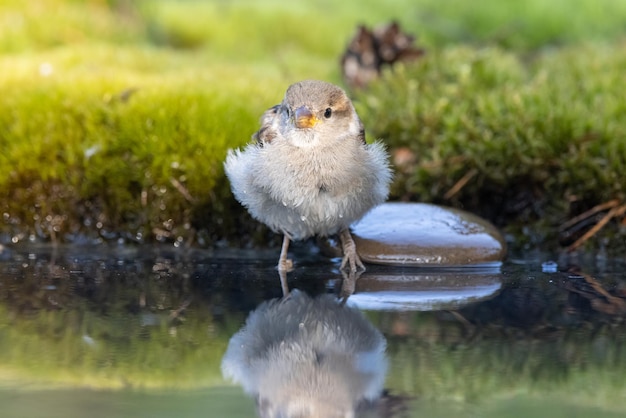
point(353, 261)
point(350, 256)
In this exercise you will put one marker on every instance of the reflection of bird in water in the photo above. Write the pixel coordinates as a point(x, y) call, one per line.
point(304, 357)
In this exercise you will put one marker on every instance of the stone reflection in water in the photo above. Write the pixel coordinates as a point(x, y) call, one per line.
point(424, 290)
point(307, 357)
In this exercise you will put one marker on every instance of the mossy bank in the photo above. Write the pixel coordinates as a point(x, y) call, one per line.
point(115, 116)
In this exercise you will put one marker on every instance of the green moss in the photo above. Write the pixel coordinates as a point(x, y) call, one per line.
point(548, 130)
point(115, 115)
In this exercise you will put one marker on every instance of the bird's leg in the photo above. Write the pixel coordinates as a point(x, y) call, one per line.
point(283, 282)
point(350, 257)
point(284, 264)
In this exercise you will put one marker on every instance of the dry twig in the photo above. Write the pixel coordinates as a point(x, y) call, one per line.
point(615, 211)
point(614, 304)
point(182, 190)
point(587, 214)
point(460, 184)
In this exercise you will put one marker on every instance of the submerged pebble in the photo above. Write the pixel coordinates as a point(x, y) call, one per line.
point(419, 234)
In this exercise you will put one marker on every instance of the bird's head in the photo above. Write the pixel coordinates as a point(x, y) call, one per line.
point(316, 111)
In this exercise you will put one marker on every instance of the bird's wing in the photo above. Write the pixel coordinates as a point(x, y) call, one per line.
point(267, 132)
point(361, 136)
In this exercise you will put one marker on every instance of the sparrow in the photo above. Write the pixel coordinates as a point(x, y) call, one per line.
point(308, 171)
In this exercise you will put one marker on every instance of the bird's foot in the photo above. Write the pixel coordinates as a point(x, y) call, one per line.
point(350, 257)
point(353, 262)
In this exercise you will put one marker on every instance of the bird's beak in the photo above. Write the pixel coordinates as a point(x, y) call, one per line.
point(304, 118)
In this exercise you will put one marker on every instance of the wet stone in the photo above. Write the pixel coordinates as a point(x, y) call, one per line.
point(419, 234)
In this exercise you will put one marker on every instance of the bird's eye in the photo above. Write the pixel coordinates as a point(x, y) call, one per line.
point(328, 112)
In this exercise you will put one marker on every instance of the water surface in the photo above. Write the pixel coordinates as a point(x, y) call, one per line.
point(142, 331)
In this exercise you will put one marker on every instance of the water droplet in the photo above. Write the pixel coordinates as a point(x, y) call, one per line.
point(88, 340)
point(549, 267)
point(340, 215)
point(91, 151)
point(284, 203)
point(303, 218)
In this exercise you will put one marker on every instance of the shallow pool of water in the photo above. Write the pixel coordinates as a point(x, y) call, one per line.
point(143, 331)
